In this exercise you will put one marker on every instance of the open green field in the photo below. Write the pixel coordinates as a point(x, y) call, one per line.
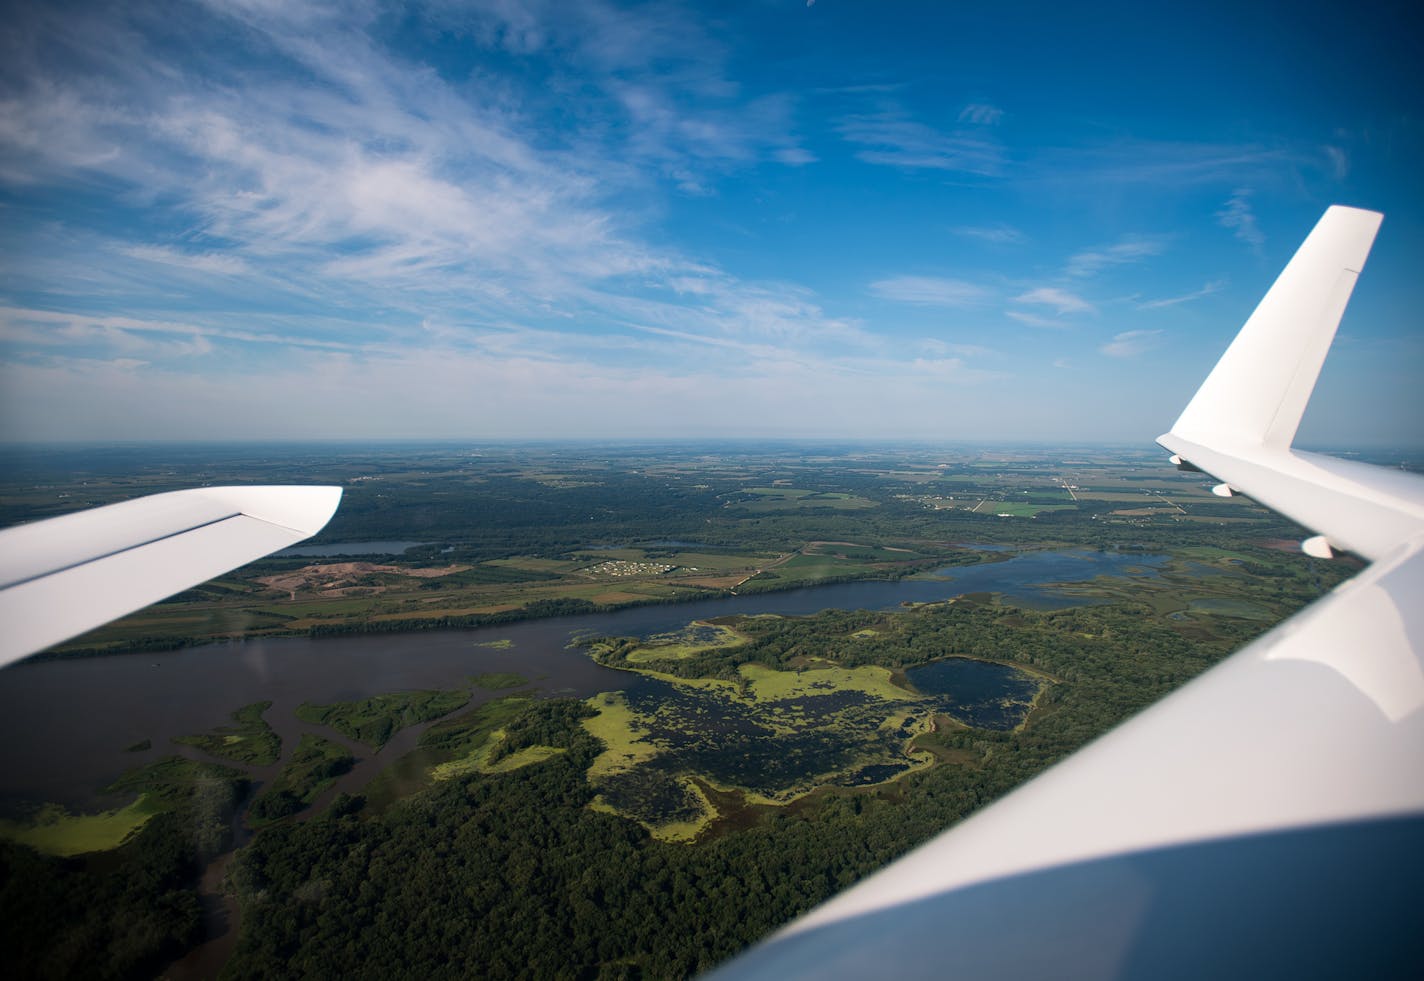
point(716, 561)
point(817, 565)
point(1023, 509)
point(1139, 497)
point(771, 499)
point(863, 553)
point(527, 563)
point(1227, 606)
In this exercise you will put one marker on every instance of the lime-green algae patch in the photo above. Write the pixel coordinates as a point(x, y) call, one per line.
point(769, 685)
point(55, 831)
point(448, 741)
point(481, 759)
point(771, 737)
point(625, 740)
point(699, 637)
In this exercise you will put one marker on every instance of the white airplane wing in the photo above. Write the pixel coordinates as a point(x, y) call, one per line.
point(1266, 819)
point(65, 575)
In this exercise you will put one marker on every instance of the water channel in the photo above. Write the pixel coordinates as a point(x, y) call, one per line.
point(65, 723)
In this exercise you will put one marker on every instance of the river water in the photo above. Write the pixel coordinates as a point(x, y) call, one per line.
point(65, 723)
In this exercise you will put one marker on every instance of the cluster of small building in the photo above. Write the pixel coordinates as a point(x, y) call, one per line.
point(623, 567)
point(933, 501)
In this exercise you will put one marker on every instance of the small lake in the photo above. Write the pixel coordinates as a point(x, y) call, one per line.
point(65, 723)
point(981, 693)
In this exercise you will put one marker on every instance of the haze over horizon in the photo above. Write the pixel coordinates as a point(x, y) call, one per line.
point(504, 220)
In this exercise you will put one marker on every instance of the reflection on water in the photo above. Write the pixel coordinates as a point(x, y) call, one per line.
point(65, 723)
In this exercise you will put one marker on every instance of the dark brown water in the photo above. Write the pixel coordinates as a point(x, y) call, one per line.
point(64, 724)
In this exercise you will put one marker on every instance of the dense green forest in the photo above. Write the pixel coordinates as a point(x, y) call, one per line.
point(124, 913)
point(512, 874)
point(502, 875)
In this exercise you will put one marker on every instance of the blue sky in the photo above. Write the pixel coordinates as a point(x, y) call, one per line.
point(526, 218)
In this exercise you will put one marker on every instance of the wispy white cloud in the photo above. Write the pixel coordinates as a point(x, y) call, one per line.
point(981, 114)
point(1130, 249)
point(348, 178)
point(794, 156)
point(205, 262)
point(107, 334)
point(952, 370)
point(296, 203)
point(1339, 161)
point(1173, 163)
point(1034, 320)
point(892, 138)
point(1059, 299)
point(1237, 215)
point(1130, 343)
point(686, 145)
point(930, 291)
point(1215, 286)
point(715, 386)
point(993, 234)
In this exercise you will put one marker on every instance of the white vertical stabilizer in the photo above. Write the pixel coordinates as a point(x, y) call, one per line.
point(1315, 729)
point(1257, 393)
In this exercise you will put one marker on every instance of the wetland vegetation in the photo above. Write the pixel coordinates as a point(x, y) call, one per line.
point(314, 765)
point(130, 906)
point(739, 770)
point(251, 740)
point(760, 725)
point(374, 721)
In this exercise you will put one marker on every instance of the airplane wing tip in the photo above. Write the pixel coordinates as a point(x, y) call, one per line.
point(1355, 228)
point(63, 576)
point(305, 509)
point(316, 506)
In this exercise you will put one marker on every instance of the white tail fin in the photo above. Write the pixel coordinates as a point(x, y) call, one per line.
point(1256, 394)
